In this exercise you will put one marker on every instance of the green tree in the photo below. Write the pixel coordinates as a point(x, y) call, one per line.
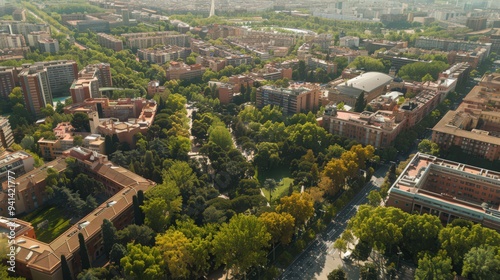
point(142, 234)
point(138, 215)
point(156, 214)
point(427, 78)
point(428, 147)
point(84, 255)
point(421, 234)
point(118, 251)
point(299, 205)
point(239, 256)
point(142, 262)
point(360, 104)
point(279, 225)
point(270, 185)
point(66, 272)
point(174, 247)
point(367, 63)
point(221, 136)
point(482, 263)
point(374, 198)
point(80, 122)
point(108, 235)
point(337, 274)
point(434, 267)
point(267, 156)
point(380, 227)
point(78, 140)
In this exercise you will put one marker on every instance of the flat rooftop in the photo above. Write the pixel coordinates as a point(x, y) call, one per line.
point(414, 178)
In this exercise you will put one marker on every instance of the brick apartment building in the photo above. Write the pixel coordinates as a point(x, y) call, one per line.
point(182, 71)
point(110, 42)
point(40, 261)
point(294, 99)
point(475, 125)
point(8, 80)
point(18, 162)
point(448, 190)
point(378, 129)
point(164, 54)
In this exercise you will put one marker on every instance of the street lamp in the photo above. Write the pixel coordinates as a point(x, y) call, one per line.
point(399, 255)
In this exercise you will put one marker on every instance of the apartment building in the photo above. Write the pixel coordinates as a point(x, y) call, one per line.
point(476, 23)
point(146, 40)
point(24, 28)
point(18, 162)
point(65, 136)
point(270, 72)
point(349, 41)
point(8, 80)
point(101, 71)
point(378, 129)
point(237, 60)
point(475, 125)
point(12, 41)
point(19, 15)
point(84, 88)
point(448, 190)
point(90, 80)
point(164, 54)
point(450, 45)
point(418, 107)
point(34, 82)
point(35, 36)
point(95, 25)
point(122, 109)
point(110, 42)
point(38, 260)
point(371, 84)
point(294, 99)
point(48, 45)
point(6, 137)
point(61, 73)
point(182, 71)
point(474, 57)
point(386, 101)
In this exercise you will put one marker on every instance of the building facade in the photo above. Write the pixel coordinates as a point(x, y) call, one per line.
point(448, 190)
point(36, 88)
point(48, 45)
point(475, 125)
point(182, 71)
point(18, 162)
point(8, 80)
point(295, 99)
point(110, 42)
point(38, 260)
point(6, 137)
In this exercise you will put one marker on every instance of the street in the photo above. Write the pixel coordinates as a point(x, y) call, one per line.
point(319, 258)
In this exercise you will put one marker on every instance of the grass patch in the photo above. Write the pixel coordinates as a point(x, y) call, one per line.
point(280, 190)
point(57, 223)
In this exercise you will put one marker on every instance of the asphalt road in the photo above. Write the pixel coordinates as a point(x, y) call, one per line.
point(317, 260)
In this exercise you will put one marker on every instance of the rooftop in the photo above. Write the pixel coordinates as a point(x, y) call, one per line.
point(367, 82)
point(416, 177)
point(45, 256)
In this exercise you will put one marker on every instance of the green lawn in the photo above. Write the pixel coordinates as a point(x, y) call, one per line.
point(280, 190)
point(57, 223)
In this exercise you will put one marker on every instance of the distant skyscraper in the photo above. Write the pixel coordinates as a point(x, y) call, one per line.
point(212, 9)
